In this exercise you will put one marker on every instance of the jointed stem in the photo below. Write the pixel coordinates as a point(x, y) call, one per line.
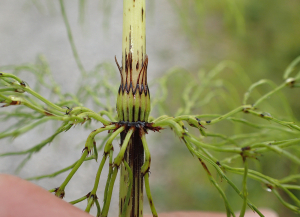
point(79, 200)
point(117, 163)
point(93, 196)
point(61, 190)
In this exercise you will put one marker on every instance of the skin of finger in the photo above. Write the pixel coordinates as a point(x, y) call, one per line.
point(22, 198)
point(265, 212)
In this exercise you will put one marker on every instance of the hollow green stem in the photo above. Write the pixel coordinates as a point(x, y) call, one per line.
point(146, 166)
point(147, 187)
point(90, 143)
point(61, 190)
point(90, 203)
point(98, 208)
point(108, 145)
point(120, 156)
point(78, 200)
point(109, 194)
point(92, 196)
point(110, 171)
point(245, 192)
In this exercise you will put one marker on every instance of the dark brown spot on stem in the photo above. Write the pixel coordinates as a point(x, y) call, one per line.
point(204, 166)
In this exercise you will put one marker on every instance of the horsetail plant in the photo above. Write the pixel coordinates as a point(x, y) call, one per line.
point(131, 122)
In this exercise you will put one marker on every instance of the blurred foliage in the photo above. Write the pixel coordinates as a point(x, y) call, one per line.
point(262, 37)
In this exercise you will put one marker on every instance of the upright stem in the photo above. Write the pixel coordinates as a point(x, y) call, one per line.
point(133, 103)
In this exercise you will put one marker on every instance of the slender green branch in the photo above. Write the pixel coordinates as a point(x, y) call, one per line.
point(222, 174)
point(109, 193)
point(24, 129)
point(71, 40)
point(78, 200)
point(96, 183)
point(245, 192)
point(147, 187)
point(146, 166)
point(90, 203)
point(110, 172)
point(61, 190)
point(52, 175)
point(120, 156)
point(229, 210)
point(108, 145)
point(98, 208)
point(290, 206)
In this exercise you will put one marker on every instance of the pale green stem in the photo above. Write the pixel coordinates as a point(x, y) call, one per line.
point(108, 145)
point(222, 174)
point(268, 117)
point(269, 94)
point(290, 178)
point(58, 172)
point(71, 40)
point(110, 172)
point(78, 200)
point(120, 156)
point(26, 88)
point(215, 148)
point(290, 206)
point(229, 210)
point(109, 193)
point(92, 196)
point(146, 166)
point(108, 114)
point(8, 89)
point(147, 187)
point(117, 162)
point(60, 192)
point(95, 116)
point(89, 144)
point(295, 187)
point(245, 192)
point(90, 203)
point(22, 101)
point(25, 129)
point(98, 208)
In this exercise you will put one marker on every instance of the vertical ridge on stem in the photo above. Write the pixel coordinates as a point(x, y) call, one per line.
point(133, 102)
point(134, 156)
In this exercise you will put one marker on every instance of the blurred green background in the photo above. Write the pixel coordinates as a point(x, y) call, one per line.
point(261, 38)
